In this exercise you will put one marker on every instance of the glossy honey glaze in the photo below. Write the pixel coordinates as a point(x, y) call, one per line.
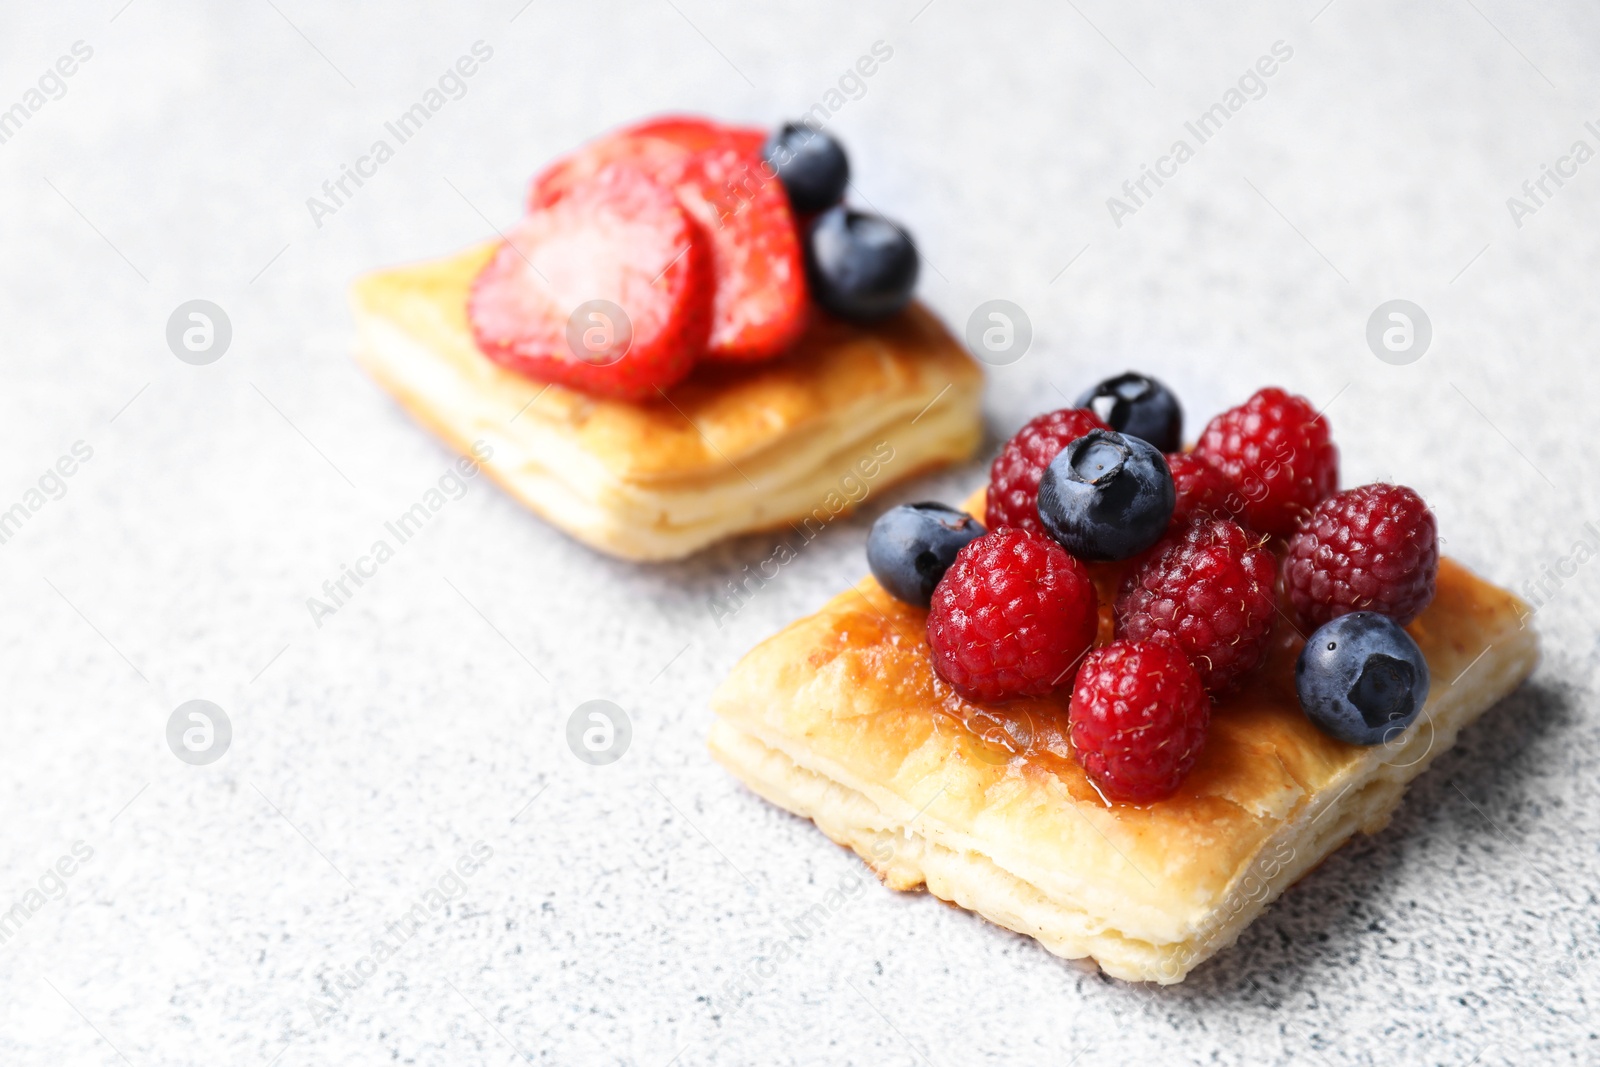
point(885, 644)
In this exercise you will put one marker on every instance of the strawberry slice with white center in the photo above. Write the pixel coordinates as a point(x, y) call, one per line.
point(606, 290)
point(760, 307)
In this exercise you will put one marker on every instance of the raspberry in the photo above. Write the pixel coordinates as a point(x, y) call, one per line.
point(1014, 475)
point(1208, 589)
point(1374, 548)
point(1138, 719)
point(1011, 617)
point(1275, 449)
point(1202, 490)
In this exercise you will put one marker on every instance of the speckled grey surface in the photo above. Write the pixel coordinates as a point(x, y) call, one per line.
point(640, 912)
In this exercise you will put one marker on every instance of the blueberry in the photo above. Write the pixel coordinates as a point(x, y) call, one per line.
point(1106, 496)
point(1137, 404)
point(1361, 678)
point(811, 165)
point(860, 266)
point(911, 547)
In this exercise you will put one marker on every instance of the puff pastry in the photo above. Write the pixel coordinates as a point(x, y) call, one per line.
point(731, 450)
point(840, 718)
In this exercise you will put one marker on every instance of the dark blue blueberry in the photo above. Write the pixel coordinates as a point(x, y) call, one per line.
point(1139, 405)
point(860, 266)
point(1361, 678)
point(811, 165)
point(911, 546)
point(1106, 496)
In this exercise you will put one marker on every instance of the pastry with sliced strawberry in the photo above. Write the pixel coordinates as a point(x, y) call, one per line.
point(643, 360)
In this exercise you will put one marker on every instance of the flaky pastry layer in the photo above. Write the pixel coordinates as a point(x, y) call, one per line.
point(730, 450)
point(841, 719)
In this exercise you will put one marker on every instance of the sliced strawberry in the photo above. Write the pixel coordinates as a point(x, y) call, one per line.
point(760, 305)
point(620, 237)
point(653, 146)
point(760, 308)
point(651, 155)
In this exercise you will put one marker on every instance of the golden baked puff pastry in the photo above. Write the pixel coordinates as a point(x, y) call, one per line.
point(841, 719)
point(730, 450)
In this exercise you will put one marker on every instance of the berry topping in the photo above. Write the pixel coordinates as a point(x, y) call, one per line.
point(811, 165)
point(911, 546)
point(1011, 617)
point(1139, 406)
point(1208, 589)
point(655, 146)
point(605, 290)
point(861, 267)
point(1106, 496)
point(759, 307)
point(638, 147)
point(1361, 679)
point(1138, 719)
point(1014, 475)
point(1373, 548)
point(1201, 490)
point(1275, 449)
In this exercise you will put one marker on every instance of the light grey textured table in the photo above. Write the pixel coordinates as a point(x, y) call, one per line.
point(641, 911)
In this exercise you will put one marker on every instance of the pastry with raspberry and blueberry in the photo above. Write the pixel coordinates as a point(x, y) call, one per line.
point(688, 335)
point(1127, 694)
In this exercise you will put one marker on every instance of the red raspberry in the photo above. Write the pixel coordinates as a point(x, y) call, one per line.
point(1202, 490)
point(1138, 719)
point(1014, 475)
point(1373, 548)
point(1207, 588)
point(1011, 617)
point(1275, 448)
